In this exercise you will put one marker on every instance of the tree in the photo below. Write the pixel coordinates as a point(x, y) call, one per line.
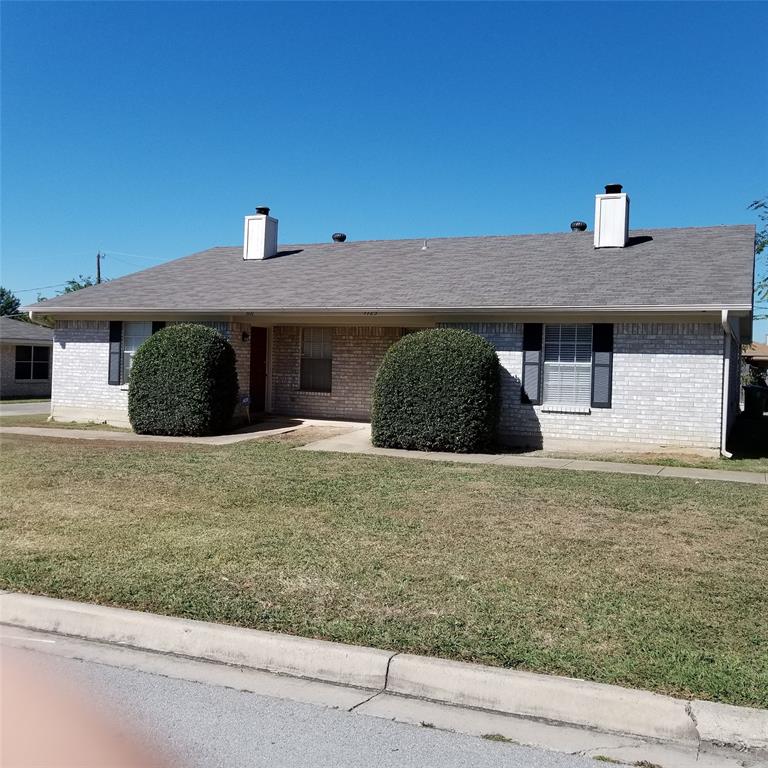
point(75, 284)
point(9, 303)
point(761, 241)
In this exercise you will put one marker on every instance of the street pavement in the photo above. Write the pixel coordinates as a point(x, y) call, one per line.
point(199, 725)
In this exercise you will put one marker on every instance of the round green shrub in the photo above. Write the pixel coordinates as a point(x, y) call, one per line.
point(183, 381)
point(437, 390)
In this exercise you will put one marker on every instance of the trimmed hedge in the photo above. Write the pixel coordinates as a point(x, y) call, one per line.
point(183, 381)
point(437, 390)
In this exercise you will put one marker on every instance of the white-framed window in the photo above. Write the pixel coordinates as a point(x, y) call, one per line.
point(32, 362)
point(316, 359)
point(567, 365)
point(135, 333)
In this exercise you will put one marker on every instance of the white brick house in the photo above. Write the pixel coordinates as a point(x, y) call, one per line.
point(616, 336)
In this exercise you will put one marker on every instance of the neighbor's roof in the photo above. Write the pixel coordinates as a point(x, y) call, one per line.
point(661, 268)
point(19, 330)
point(755, 351)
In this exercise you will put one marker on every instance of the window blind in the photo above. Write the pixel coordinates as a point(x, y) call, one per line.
point(316, 359)
point(134, 335)
point(568, 365)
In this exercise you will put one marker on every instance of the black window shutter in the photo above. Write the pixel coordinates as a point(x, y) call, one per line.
point(158, 325)
point(602, 364)
point(115, 344)
point(532, 363)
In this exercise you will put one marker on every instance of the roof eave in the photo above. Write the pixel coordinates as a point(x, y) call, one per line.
point(533, 309)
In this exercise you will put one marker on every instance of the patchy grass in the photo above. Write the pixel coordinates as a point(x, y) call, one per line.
point(498, 737)
point(639, 581)
point(41, 420)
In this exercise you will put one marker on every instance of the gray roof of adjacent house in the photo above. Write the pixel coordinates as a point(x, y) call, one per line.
point(702, 267)
point(19, 331)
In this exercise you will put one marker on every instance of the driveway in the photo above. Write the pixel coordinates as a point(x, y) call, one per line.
point(10, 408)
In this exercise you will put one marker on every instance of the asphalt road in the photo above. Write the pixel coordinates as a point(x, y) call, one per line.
point(10, 408)
point(206, 726)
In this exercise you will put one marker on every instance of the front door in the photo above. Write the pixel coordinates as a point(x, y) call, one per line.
point(258, 369)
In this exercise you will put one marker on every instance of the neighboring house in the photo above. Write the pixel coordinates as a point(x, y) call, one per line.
point(25, 359)
point(612, 336)
point(756, 354)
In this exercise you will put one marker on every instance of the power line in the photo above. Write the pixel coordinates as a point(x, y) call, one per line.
point(135, 256)
point(41, 288)
point(111, 256)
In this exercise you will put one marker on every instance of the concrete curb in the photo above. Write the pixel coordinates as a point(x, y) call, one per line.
point(285, 654)
point(742, 727)
point(561, 700)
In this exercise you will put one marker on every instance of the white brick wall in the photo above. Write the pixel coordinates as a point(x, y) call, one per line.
point(80, 371)
point(667, 385)
point(80, 391)
point(667, 381)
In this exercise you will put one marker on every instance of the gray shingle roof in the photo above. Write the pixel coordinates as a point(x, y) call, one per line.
point(703, 266)
point(18, 330)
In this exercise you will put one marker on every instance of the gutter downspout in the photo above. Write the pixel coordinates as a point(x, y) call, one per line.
point(726, 382)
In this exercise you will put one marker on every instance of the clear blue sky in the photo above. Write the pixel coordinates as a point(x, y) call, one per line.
point(149, 130)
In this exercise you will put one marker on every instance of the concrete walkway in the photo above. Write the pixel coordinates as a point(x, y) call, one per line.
point(268, 428)
point(359, 441)
point(11, 408)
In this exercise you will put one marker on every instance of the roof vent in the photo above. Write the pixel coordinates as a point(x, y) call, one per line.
point(338, 237)
point(578, 226)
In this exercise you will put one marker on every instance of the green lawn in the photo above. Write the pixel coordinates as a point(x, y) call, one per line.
point(640, 581)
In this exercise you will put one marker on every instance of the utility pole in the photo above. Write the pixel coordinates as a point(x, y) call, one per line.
point(98, 267)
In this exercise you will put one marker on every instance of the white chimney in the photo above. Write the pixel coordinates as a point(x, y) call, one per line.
point(611, 218)
point(260, 235)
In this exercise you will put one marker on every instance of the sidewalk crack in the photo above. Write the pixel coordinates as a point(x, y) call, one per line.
point(365, 701)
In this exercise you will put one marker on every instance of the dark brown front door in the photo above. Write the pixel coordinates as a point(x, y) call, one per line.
point(258, 369)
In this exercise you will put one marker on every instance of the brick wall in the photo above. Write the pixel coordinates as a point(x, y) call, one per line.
point(667, 381)
point(667, 388)
point(357, 353)
point(10, 386)
point(243, 354)
point(80, 391)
